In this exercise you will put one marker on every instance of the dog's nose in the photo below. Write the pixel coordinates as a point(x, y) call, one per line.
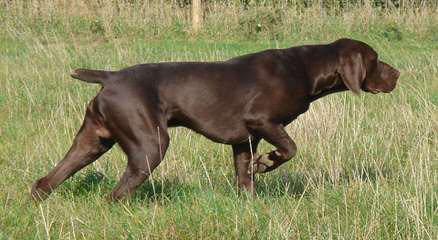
point(396, 74)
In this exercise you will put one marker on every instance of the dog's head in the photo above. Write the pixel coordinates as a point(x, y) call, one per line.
point(360, 68)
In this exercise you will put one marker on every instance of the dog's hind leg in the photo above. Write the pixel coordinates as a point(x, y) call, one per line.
point(90, 143)
point(145, 148)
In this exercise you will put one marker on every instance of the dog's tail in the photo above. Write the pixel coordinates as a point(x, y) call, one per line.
point(91, 76)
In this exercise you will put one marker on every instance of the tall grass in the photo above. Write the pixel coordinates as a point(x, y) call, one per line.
point(222, 19)
point(366, 166)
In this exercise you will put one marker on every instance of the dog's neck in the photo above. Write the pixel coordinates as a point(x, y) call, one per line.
point(322, 73)
point(325, 84)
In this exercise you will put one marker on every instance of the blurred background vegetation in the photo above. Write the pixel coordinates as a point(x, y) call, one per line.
point(228, 19)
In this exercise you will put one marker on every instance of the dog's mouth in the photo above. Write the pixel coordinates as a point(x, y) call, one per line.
point(378, 90)
point(373, 90)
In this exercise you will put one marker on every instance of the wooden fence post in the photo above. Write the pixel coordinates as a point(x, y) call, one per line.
point(196, 15)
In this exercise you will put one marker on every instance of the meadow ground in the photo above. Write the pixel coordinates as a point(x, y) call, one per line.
point(366, 166)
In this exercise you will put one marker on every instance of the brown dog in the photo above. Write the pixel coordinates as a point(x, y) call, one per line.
point(242, 100)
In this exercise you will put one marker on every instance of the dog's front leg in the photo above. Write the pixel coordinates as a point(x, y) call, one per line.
point(276, 135)
point(243, 154)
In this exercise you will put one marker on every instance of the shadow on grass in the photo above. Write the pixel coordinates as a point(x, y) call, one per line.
point(297, 184)
point(292, 184)
point(91, 181)
point(86, 184)
point(166, 190)
point(96, 182)
point(286, 184)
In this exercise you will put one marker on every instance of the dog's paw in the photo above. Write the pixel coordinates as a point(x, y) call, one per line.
point(37, 193)
point(260, 164)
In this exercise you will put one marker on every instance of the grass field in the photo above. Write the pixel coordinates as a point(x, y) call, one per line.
point(366, 166)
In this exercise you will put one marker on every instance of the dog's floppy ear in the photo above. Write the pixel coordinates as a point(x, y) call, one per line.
point(353, 71)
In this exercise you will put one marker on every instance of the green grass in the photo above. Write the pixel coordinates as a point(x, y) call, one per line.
point(366, 166)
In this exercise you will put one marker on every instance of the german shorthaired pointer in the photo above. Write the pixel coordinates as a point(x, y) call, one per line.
point(237, 102)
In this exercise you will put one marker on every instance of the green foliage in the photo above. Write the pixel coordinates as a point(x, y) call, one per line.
point(96, 27)
point(388, 31)
point(262, 22)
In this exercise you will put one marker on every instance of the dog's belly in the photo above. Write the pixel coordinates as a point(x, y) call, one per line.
point(216, 127)
point(213, 111)
point(224, 132)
